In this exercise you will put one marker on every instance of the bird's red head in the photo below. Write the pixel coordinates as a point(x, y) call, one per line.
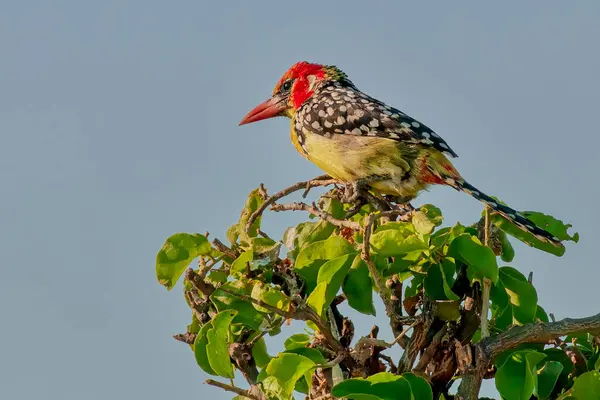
point(294, 88)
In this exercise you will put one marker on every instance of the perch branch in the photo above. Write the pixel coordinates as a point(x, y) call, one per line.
point(316, 211)
point(323, 180)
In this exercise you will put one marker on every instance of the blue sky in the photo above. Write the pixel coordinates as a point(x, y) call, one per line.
point(118, 127)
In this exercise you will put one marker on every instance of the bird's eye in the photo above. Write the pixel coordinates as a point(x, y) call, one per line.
point(286, 86)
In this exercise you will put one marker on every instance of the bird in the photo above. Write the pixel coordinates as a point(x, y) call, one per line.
point(365, 143)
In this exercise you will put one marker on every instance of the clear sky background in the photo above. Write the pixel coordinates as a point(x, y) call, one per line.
point(118, 127)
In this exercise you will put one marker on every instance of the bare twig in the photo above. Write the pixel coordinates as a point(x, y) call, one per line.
point(188, 337)
point(319, 213)
point(323, 180)
point(231, 388)
point(384, 291)
point(368, 341)
point(431, 350)
point(223, 248)
point(388, 359)
point(340, 357)
point(487, 284)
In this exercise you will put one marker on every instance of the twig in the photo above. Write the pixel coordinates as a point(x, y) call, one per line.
point(223, 248)
point(404, 332)
point(188, 337)
point(318, 181)
point(388, 359)
point(231, 388)
point(367, 341)
point(340, 357)
point(316, 211)
point(384, 292)
point(431, 350)
point(487, 284)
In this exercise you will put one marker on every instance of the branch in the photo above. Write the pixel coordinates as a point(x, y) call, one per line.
point(231, 388)
point(323, 180)
point(384, 291)
point(487, 284)
point(188, 337)
point(539, 333)
point(486, 350)
point(431, 350)
point(316, 211)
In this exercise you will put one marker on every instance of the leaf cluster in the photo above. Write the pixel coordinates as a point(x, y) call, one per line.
point(246, 290)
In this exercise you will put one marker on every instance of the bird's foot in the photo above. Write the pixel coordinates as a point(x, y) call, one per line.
point(352, 191)
point(352, 195)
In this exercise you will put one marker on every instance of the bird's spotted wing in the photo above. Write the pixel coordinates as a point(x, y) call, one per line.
point(343, 109)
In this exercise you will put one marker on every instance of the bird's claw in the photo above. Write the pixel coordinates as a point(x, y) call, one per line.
point(351, 193)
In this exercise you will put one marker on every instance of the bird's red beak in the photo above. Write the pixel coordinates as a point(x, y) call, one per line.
point(268, 109)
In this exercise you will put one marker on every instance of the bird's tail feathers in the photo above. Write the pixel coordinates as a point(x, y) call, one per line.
point(514, 216)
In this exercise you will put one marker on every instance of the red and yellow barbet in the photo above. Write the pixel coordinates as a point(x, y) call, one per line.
point(364, 142)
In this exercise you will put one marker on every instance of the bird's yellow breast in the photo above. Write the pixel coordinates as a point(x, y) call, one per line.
point(350, 158)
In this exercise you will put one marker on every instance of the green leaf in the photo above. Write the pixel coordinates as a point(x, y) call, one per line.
point(217, 277)
point(297, 340)
point(514, 300)
point(332, 273)
point(448, 310)
point(479, 258)
point(313, 354)
point(260, 354)
point(396, 239)
point(522, 295)
point(439, 279)
point(552, 225)
point(382, 386)
point(272, 388)
point(305, 233)
point(312, 257)
point(426, 219)
point(200, 344)
point(546, 222)
point(247, 314)
point(238, 267)
point(287, 369)
point(547, 377)
point(507, 250)
point(399, 265)
point(218, 343)
point(252, 203)
point(516, 379)
point(421, 390)
point(433, 213)
point(176, 254)
point(269, 295)
point(587, 386)
point(358, 287)
point(316, 300)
